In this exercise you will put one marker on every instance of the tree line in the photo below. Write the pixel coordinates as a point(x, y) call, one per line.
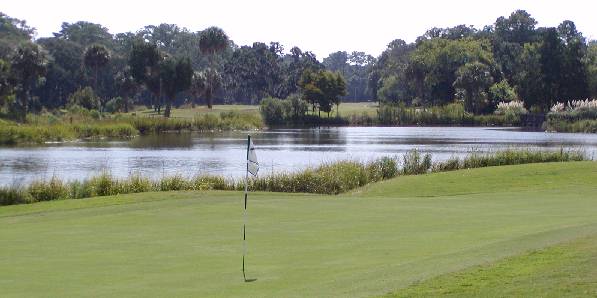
point(166, 65)
point(509, 60)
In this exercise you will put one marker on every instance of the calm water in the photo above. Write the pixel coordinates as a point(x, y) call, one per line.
point(278, 150)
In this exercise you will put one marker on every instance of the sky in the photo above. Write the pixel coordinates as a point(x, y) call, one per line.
point(319, 26)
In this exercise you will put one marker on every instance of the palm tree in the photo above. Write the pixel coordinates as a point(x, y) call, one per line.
point(212, 41)
point(127, 86)
point(95, 58)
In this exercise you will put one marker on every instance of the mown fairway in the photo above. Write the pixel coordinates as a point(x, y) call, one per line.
point(376, 240)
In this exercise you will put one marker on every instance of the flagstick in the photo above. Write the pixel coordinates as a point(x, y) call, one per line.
point(245, 209)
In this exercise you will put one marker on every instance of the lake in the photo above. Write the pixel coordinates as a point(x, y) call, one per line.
point(278, 150)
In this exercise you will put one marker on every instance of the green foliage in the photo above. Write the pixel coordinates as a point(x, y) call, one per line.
point(322, 89)
point(14, 195)
point(175, 76)
point(12, 134)
point(450, 114)
point(473, 79)
point(292, 112)
point(434, 64)
point(501, 92)
point(393, 89)
point(213, 40)
point(28, 65)
point(231, 120)
point(85, 98)
point(273, 111)
point(507, 157)
point(114, 105)
point(415, 163)
point(560, 125)
point(54, 189)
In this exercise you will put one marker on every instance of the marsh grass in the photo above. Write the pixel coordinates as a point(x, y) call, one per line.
point(450, 114)
point(51, 128)
point(231, 120)
point(331, 178)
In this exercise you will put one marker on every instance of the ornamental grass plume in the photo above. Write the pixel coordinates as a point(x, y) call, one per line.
point(514, 107)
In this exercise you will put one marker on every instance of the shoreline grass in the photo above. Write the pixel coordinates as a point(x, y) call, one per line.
point(332, 178)
point(52, 129)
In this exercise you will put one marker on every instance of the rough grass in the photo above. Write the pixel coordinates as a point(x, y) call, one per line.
point(380, 239)
point(578, 126)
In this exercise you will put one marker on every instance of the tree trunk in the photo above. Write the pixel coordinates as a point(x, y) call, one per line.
point(210, 97)
point(126, 104)
point(168, 108)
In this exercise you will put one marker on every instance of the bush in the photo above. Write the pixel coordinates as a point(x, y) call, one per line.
point(48, 190)
point(383, 168)
point(13, 195)
point(114, 105)
point(176, 182)
point(414, 163)
point(274, 111)
point(85, 98)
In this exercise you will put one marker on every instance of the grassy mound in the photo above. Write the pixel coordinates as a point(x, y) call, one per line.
point(372, 241)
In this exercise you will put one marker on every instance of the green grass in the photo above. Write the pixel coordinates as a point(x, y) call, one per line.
point(565, 270)
point(373, 241)
point(348, 109)
point(190, 113)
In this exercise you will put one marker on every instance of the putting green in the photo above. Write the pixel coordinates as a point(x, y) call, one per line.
point(376, 240)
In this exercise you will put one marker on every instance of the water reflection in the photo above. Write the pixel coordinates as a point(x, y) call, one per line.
point(279, 150)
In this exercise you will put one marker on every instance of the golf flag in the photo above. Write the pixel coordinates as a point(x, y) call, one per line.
point(253, 168)
point(252, 163)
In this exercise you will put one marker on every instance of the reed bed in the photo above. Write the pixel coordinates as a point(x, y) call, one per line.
point(49, 128)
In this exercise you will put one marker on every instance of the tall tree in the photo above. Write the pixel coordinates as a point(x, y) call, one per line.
point(591, 67)
point(12, 33)
point(322, 89)
point(552, 64)
point(474, 79)
point(213, 40)
point(175, 75)
point(28, 65)
point(127, 87)
point(85, 33)
point(96, 57)
point(573, 81)
point(5, 84)
point(65, 74)
point(144, 62)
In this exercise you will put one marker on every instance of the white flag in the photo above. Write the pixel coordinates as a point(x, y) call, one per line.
point(252, 163)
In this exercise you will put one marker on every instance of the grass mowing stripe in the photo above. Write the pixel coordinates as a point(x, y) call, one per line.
point(564, 270)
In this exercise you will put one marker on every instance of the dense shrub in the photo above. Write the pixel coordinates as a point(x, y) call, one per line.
point(85, 98)
point(415, 163)
point(575, 116)
point(451, 114)
point(293, 112)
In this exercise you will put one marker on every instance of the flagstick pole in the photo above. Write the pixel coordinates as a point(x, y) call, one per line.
point(245, 209)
